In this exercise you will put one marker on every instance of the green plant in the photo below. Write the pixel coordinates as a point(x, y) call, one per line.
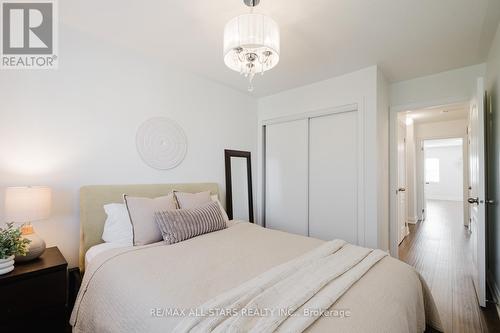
point(11, 242)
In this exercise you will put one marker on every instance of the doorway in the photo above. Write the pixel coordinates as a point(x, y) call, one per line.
point(431, 162)
point(444, 174)
point(443, 250)
point(437, 241)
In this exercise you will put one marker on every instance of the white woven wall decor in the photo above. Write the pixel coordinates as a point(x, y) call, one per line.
point(161, 143)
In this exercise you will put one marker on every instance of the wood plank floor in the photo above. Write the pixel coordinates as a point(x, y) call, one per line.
point(439, 249)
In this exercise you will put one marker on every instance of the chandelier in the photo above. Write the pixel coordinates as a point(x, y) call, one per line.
point(251, 43)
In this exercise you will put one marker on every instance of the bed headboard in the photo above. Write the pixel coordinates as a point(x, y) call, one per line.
point(93, 198)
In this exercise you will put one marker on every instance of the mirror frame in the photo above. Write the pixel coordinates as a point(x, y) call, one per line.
point(228, 153)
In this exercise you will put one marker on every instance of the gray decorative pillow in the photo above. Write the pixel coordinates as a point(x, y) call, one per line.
point(142, 215)
point(181, 224)
point(187, 200)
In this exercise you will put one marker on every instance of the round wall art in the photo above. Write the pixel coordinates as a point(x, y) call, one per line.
point(161, 143)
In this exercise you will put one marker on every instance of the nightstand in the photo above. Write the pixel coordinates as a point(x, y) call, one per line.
point(34, 295)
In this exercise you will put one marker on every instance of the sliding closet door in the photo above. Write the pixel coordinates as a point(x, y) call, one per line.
point(333, 174)
point(286, 176)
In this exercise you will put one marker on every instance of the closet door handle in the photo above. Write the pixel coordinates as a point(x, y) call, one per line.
point(401, 189)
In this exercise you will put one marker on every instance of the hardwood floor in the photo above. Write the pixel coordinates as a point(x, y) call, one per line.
point(439, 249)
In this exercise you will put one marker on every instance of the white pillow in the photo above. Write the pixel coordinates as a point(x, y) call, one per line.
point(117, 228)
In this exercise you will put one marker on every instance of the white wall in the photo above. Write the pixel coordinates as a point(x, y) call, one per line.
point(457, 85)
point(358, 87)
point(76, 126)
point(493, 137)
point(442, 129)
point(450, 185)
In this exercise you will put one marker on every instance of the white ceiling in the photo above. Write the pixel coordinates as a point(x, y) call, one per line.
point(319, 38)
point(439, 113)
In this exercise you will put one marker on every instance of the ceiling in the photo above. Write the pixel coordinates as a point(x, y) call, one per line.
point(319, 38)
point(440, 113)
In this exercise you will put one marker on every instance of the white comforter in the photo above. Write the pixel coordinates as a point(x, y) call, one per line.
point(158, 288)
point(289, 297)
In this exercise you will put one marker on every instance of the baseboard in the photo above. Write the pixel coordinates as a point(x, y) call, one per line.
point(495, 291)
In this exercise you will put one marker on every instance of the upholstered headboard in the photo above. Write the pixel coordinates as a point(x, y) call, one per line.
point(93, 198)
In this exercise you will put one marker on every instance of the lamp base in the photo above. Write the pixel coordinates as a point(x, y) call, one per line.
point(35, 248)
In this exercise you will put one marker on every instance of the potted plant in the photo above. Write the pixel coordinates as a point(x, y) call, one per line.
point(11, 244)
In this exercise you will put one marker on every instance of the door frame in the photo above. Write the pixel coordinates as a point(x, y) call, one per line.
point(393, 165)
point(358, 107)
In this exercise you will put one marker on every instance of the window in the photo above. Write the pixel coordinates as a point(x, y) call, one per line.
point(432, 170)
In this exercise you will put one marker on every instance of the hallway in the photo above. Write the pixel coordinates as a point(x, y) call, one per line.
point(438, 249)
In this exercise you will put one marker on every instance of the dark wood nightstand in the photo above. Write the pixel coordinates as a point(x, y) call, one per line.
point(34, 295)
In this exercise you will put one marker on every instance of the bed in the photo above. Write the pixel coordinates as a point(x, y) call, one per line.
point(148, 288)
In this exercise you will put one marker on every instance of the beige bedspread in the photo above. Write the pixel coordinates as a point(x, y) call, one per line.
point(151, 288)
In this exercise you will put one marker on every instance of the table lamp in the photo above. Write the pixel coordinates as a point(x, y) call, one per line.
point(25, 205)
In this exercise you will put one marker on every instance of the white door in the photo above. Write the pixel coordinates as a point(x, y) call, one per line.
point(420, 179)
point(333, 177)
point(423, 181)
point(477, 192)
point(286, 164)
point(401, 191)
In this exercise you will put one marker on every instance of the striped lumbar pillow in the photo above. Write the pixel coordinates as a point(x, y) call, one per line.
point(181, 224)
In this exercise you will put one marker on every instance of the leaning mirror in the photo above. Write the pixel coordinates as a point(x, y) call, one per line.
point(239, 202)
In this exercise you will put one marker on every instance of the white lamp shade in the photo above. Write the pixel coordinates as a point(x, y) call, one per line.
point(26, 204)
point(255, 32)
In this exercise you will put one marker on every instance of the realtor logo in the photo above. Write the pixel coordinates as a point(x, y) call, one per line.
point(29, 35)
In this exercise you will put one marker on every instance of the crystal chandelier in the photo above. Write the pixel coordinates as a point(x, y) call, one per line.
point(251, 43)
